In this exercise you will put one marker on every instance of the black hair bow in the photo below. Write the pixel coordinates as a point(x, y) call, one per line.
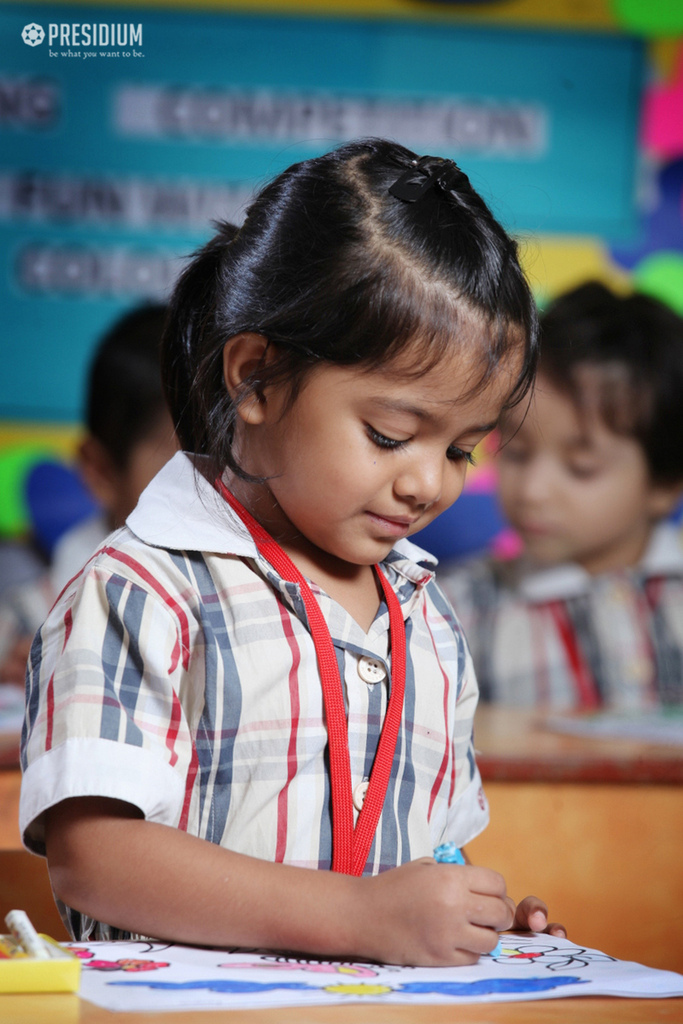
point(417, 180)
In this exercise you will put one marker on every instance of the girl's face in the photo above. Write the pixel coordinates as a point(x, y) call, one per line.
point(573, 489)
point(363, 458)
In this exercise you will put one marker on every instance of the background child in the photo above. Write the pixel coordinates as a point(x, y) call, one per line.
point(130, 434)
point(331, 368)
point(129, 437)
point(592, 613)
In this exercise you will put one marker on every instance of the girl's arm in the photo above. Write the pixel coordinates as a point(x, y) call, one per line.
point(107, 861)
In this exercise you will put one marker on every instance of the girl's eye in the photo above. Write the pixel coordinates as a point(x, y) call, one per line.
point(394, 444)
point(385, 442)
point(458, 455)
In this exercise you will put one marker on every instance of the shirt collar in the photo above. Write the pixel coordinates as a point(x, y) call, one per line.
point(663, 557)
point(181, 510)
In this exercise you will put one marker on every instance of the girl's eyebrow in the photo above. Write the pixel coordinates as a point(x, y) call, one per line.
point(398, 405)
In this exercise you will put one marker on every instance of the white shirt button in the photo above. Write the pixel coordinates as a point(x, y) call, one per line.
point(359, 794)
point(371, 670)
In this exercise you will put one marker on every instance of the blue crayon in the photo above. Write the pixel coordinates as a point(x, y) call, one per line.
point(449, 853)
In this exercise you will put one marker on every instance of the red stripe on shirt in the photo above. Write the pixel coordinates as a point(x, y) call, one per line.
point(80, 572)
point(173, 728)
point(175, 607)
point(588, 696)
point(189, 786)
point(50, 696)
point(282, 810)
point(444, 761)
point(648, 607)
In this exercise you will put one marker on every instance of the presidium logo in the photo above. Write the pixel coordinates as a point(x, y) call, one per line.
point(118, 39)
point(33, 34)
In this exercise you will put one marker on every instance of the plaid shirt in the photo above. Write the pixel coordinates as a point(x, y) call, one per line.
point(562, 639)
point(177, 673)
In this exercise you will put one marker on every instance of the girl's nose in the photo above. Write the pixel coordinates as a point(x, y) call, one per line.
point(421, 481)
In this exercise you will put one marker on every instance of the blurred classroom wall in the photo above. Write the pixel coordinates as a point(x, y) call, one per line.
point(126, 130)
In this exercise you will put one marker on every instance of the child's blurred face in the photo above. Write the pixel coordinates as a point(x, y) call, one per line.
point(573, 489)
point(363, 458)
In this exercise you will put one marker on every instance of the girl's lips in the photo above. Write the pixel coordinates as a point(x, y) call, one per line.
point(397, 526)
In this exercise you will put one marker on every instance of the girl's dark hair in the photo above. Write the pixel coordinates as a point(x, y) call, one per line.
point(125, 398)
point(331, 266)
point(632, 348)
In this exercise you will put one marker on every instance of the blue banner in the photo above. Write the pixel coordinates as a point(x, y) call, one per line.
point(125, 132)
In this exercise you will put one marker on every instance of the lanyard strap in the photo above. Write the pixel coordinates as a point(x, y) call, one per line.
point(350, 848)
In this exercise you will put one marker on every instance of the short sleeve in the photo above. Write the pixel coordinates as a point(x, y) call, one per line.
point(103, 715)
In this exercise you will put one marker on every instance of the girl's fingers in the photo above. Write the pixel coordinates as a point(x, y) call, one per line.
point(485, 881)
point(489, 912)
point(531, 907)
point(532, 914)
point(481, 940)
point(537, 920)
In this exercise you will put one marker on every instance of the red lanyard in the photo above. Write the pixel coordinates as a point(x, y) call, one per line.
point(350, 847)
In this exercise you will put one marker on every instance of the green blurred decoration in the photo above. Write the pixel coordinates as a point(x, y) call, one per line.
point(15, 465)
point(661, 276)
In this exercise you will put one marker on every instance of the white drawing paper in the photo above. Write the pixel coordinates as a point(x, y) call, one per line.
point(156, 976)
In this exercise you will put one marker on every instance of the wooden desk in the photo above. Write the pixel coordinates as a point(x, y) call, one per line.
point(71, 1010)
point(515, 746)
point(24, 880)
point(601, 843)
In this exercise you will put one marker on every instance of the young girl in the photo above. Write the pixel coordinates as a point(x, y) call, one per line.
point(591, 613)
point(258, 675)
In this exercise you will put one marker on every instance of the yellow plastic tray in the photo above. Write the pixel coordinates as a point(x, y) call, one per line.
point(22, 973)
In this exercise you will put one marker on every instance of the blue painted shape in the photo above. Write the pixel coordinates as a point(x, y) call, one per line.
point(454, 989)
point(234, 987)
point(490, 986)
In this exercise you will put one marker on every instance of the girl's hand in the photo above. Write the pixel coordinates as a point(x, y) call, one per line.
point(532, 915)
point(430, 915)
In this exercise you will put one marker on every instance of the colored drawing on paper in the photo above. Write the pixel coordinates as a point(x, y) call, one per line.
point(538, 953)
point(530, 967)
point(129, 964)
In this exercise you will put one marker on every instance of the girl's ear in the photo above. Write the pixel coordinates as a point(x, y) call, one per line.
point(242, 356)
